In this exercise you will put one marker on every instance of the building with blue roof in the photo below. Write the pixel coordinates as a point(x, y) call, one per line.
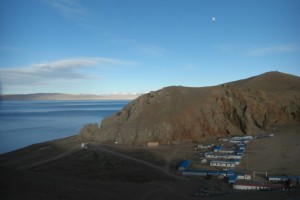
point(196, 172)
point(184, 165)
point(283, 178)
point(240, 152)
point(233, 178)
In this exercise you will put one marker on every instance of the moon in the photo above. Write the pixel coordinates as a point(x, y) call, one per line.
point(213, 19)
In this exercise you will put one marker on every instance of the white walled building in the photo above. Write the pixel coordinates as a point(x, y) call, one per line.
point(219, 163)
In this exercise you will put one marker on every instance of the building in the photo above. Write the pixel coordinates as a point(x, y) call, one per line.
point(223, 156)
point(221, 150)
point(227, 173)
point(220, 163)
point(242, 138)
point(184, 165)
point(237, 161)
point(241, 146)
point(217, 148)
point(257, 186)
point(244, 177)
point(223, 139)
point(235, 177)
point(236, 156)
point(152, 144)
point(236, 141)
point(240, 152)
point(214, 155)
point(283, 178)
point(194, 172)
point(232, 179)
point(201, 146)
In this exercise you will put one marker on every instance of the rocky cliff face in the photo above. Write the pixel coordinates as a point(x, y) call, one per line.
point(181, 114)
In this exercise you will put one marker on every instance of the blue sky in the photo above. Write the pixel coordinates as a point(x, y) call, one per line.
point(134, 46)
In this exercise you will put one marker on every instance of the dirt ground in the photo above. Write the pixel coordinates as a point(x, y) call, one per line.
point(278, 155)
point(62, 170)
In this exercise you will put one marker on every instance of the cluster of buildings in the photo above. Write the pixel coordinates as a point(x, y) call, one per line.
point(223, 157)
point(219, 156)
point(275, 183)
point(227, 159)
point(238, 139)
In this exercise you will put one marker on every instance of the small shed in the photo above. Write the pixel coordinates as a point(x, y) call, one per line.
point(230, 173)
point(237, 161)
point(244, 177)
point(184, 165)
point(152, 144)
point(240, 152)
point(232, 179)
point(217, 148)
point(203, 161)
point(83, 145)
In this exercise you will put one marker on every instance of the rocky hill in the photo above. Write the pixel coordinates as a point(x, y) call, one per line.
point(184, 114)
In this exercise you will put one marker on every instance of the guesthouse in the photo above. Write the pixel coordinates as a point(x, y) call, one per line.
point(221, 163)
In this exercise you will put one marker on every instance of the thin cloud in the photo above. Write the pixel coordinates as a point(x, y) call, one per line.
point(145, 49)
point(190, 67)
point(79, 63)
point(11, 49)
point(225, 47)
point(123, 41)
point(154, 51)
point(272, 49)
point(70, 9)
point(68, 70)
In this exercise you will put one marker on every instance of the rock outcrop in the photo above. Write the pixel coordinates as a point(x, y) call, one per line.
point(182, 114)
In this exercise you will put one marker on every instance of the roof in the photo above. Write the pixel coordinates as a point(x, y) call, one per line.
point(210, 172)
point(259, 184)
point(223, 161)
point(233, 177)
point(285, 177)
point(230, 171)
point(185, 163)
point(199, 172)
point(227, 150)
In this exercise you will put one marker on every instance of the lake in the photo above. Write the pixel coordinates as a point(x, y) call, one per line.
point(23, 123)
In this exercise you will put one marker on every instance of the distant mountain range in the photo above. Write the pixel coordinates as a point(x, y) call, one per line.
point(59, 96)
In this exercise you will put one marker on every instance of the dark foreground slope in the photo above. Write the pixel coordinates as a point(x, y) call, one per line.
point(62, 170)
point(182, 114)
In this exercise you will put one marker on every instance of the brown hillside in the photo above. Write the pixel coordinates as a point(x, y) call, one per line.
point(182, 114)
point(270, 82)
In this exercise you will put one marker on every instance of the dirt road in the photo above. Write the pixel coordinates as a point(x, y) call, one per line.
point(69, 152)
point(164, 170)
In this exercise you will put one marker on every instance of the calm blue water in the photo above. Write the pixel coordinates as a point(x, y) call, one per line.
point(27, 122)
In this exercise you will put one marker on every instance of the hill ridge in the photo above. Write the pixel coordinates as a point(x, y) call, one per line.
point(183, 114)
